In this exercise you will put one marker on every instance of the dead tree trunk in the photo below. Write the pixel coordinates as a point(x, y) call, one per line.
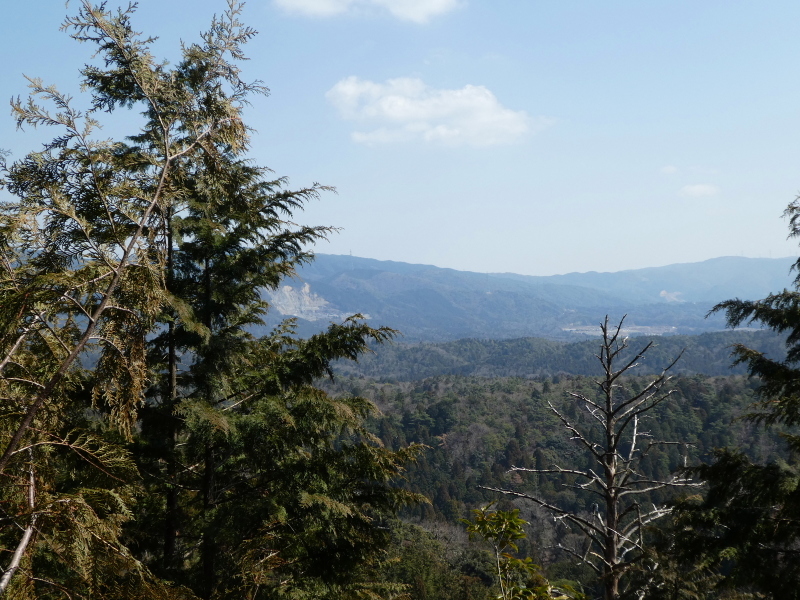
point(616, 444)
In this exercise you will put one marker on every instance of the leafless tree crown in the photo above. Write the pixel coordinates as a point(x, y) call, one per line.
point(617, 445)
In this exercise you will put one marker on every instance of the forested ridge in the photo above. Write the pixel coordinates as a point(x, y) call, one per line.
point(705, 354)
point(158, 441)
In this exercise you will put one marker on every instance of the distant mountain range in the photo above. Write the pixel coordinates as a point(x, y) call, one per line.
point(428, 303)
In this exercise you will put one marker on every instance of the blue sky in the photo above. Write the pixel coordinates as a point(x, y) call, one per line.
point(536, 137)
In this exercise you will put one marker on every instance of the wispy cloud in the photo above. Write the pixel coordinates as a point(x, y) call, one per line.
point(418, 11)
point(699, 190)
point(669, 170)
point(407, 109)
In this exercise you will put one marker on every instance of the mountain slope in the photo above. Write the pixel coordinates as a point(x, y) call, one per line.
point(428, 303)
point(707, 281)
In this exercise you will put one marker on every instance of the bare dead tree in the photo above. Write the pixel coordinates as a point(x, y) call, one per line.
point(617, 445)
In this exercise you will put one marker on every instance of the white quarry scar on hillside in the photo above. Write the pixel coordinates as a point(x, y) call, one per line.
point(292, 301)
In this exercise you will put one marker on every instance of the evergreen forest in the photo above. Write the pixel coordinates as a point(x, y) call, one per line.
point(157, 440)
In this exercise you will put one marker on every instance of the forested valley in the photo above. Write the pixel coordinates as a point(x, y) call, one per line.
point(153, 446)
point(477, 428)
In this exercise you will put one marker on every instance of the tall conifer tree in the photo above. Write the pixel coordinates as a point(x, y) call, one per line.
point(135, 269)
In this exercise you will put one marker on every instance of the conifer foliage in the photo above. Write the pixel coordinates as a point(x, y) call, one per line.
point(151, 445)
point(743, 537)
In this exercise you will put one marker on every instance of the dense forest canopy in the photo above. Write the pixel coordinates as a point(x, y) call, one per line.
point(706, 354)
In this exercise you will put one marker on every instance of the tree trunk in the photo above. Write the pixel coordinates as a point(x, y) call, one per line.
point(208, 549)
point(610, 572)
point(171, 518)
point(27, 535)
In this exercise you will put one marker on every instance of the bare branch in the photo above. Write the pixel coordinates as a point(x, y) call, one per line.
point(583, 557)
point(614, 531)
point(579, 521)
point(14, 347)
point(583, 398)
point(26, 381)
point(576, 434)
point(616, 374)
point(22, 546)
point(658, 485)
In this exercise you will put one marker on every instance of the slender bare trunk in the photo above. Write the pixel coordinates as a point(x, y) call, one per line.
point(611, 573)
point(27, 535)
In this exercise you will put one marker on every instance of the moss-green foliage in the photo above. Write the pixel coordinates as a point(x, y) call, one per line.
point(439, 565)
point(75, 483)
point(517, 578)
point(300, 498)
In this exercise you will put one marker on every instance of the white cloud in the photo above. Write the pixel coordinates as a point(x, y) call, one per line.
point(418, 11)
point(699, 190)
point(669, 170)
point(314, 8)
point(407, 109)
